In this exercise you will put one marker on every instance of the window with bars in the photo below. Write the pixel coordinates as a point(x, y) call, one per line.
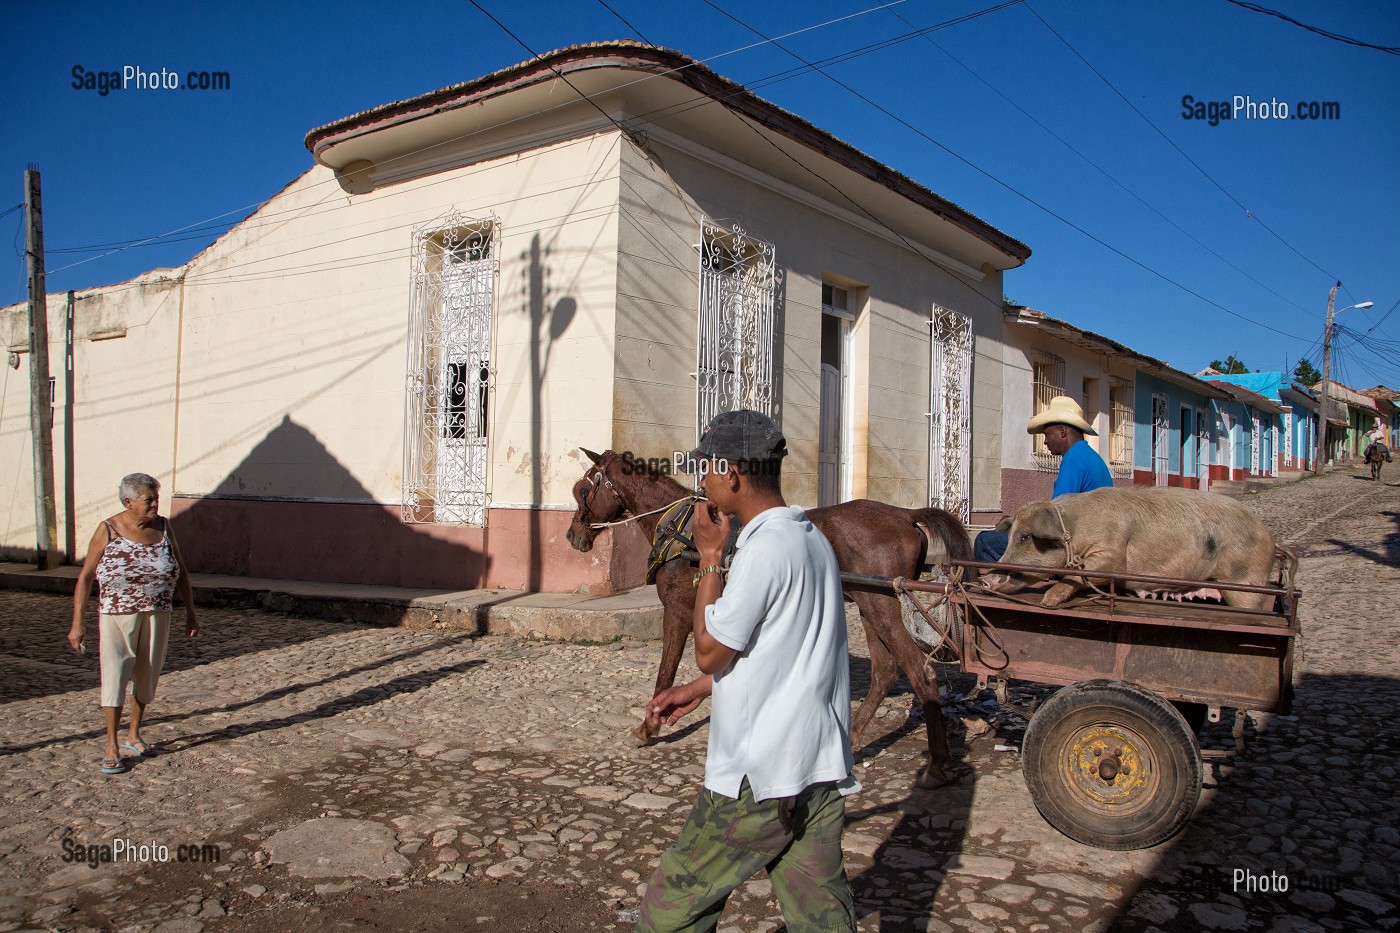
point(1047, 381)
point(1289, 438)
point(449, 371)
point(1120, 425)
point(734, 343)
point(1161, 440)
point(950, 412)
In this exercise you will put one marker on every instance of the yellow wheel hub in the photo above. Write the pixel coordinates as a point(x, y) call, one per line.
point(1107, 766)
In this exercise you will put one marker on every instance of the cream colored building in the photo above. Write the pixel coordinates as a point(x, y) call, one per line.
point(385, 373)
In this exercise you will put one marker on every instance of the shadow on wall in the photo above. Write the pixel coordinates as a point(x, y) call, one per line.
point(239, 529)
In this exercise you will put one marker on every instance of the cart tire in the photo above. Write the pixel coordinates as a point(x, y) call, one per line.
point(1112, 765)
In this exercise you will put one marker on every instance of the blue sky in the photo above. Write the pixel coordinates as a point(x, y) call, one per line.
point(1304, 203)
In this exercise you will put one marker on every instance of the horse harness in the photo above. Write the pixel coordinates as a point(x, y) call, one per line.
point(595, 481)
point(673, 541)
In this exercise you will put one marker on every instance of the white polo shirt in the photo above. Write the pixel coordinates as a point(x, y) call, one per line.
point(780, 713)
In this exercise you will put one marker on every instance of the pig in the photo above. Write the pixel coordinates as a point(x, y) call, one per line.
point(1160, 532)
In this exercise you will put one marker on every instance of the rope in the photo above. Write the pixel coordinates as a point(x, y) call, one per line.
point(986, 630)
point(627, 521)
point(1075, 563)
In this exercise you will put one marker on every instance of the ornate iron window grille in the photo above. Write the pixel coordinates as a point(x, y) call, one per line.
point(1120, 417)
point(1202, 448)
point(734, 346)
point(1047, 381)
point(950, 412)
point(449, 371)
point(1255, 444)
point(1161, 438)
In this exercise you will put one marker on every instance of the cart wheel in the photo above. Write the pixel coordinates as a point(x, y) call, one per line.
point(1112, 764)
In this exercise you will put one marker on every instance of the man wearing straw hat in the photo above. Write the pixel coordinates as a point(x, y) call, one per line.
point(1081, 468)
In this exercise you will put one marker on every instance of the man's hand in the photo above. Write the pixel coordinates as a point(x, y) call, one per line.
point(671, 704)
point(711, 530)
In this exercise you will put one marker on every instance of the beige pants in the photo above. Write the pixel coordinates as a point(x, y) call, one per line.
point(133, 651)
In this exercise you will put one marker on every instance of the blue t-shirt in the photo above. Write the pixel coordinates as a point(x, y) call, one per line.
point(1081, 470)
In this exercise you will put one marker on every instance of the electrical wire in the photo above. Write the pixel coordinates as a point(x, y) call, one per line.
point(1387, 314)
point(635, 31)
point(202, 233)
point(808, 67)
point(1027, 198)
point(1337, 37)
point(256, 206)
point(1194, 164)
point(1100, 169)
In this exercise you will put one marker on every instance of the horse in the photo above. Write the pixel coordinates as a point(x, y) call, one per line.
point(1377, 453)
point(868, 537)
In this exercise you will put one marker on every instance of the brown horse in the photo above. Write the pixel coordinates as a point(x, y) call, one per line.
point(868, 537)
point(1376, 454)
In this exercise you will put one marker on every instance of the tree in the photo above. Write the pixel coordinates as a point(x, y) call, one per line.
point(1231, 367)
point(1306, 374)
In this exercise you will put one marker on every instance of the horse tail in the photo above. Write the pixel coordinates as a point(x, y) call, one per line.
point(947, 529)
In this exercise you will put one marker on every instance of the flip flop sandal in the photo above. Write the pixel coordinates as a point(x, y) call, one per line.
point(112, 766)
point(138, 748)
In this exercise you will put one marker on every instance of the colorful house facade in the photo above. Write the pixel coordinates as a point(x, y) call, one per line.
point(1292, 436)
point(1154, 422)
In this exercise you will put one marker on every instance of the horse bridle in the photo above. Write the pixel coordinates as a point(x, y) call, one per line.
point(597, 479)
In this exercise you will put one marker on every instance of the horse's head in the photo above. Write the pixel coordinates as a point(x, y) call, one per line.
point(598, 500)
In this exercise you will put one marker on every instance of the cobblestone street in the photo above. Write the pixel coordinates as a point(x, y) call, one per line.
point(378, 778)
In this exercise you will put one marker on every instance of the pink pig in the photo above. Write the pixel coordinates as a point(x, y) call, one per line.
point(1162, 532)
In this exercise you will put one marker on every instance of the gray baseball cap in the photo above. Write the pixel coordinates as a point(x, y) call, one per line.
point(741, 435)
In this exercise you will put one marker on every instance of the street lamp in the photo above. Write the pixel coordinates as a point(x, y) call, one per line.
point(1327, 374)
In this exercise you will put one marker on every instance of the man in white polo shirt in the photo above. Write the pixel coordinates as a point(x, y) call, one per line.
point(771, 642)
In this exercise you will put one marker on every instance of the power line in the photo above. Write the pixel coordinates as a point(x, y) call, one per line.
point(989, 175)
point(635, 31)
point(1100, 169)
point(255, 206)
point(1338, 37)
point(1194, 164)
point(1393, 306)
point(557, 73)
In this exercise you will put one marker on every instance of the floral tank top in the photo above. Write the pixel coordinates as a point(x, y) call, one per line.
point(136, 577)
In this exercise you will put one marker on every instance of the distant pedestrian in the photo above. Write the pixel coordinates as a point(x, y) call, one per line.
point(138, 567)
point(771, 642)
point(1081, 468)
point(1377, 444)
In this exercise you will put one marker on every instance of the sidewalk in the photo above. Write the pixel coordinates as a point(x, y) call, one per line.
point(562, 616)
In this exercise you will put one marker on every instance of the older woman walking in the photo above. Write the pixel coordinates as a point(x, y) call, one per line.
point(137, 564)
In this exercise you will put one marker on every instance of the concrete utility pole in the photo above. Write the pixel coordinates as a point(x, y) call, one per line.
point(1326, 386)
point(40, 410)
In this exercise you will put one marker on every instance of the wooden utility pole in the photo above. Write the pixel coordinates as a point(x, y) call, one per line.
point(40, 409)
point(1326, 386)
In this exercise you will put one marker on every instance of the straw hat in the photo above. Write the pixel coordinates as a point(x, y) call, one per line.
point(1061, 410)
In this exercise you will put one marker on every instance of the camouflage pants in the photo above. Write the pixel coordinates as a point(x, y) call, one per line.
point(727, 841)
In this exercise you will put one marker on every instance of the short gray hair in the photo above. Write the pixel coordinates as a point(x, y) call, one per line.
point(133, 483)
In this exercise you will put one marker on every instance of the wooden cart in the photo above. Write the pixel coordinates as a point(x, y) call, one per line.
point(1113, 759)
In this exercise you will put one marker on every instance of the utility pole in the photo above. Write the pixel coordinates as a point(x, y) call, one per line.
point(40, 410)
point(1326, 385)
